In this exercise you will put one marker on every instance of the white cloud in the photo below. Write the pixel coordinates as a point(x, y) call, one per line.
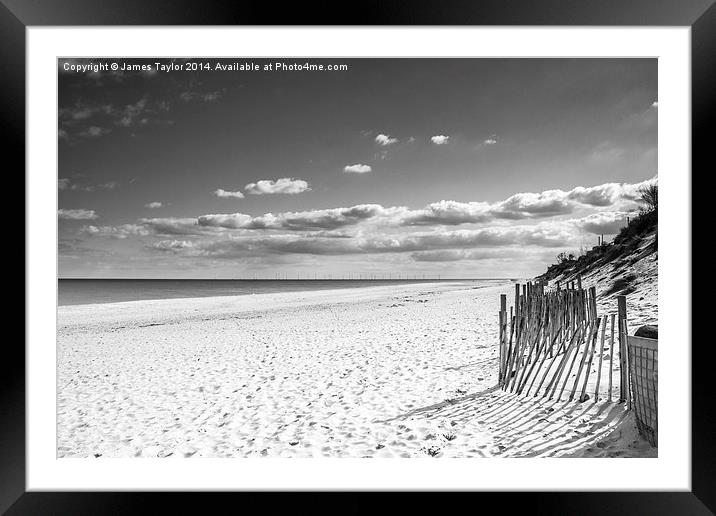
point(327, 219)
point(149, 226)
point(358, 168)
point(490, 141)
point(82, 114)
point(524, 205)
point(121, 232)
point(491, 238)
point(601, 195)
point(93, 120)
point(602, 223)
point(285, 185)
point(67, 183)
point(547, 204)
point(226, 194)
point(439, 139)
point(385, 140)
point(171, 225)
point(209, 96)
point(448, 213)
point(77, 214)
point(94, 131)
point(173, 245)
point(128, 114)
point(375, 229)
point(153, 205)
point(655, 104)
point(452, 255)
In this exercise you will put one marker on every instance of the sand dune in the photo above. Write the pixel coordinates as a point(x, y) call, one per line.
point(404, 371)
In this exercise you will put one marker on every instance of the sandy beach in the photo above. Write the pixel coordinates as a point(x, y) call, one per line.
point(388, 371)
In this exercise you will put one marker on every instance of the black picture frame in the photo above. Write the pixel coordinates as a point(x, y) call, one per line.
point(700, 15)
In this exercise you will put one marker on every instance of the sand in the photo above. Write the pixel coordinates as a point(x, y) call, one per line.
point(390, 371)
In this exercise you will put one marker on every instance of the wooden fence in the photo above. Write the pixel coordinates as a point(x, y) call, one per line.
point(548, 334)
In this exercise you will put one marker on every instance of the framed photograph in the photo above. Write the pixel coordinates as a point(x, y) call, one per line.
point(420, 252)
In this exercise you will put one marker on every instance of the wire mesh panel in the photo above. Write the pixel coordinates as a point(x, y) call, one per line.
point(643, 365)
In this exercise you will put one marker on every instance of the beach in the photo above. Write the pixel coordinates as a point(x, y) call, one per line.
point(379, 371)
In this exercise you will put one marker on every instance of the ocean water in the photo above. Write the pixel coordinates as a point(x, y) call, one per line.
point(92, 291)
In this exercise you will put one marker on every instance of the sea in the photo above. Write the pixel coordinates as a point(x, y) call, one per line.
point(94, 291)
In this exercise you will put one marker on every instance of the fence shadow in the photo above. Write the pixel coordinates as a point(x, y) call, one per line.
point(435, 407)
point(520, 426)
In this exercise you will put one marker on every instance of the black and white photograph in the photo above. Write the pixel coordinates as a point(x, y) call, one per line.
point(357, 257)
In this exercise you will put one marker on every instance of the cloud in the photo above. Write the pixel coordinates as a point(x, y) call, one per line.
point(264, 245)
point(120, 232)
point(385, 140)
point(94, 131)
point(209, 96)
point(452, 255)
point(328, 219)
point(440, 139)
point(372, 229)
point(524, 205)
point(602, 223)
point(226, 194)
point(550, 203)
point(602, 195)
point(77, 214)
point(128, 115)
point(655, 104)
point(83, 111)
point(66, 183)
point(518, 206)
point(449, 213)
point(153, 205)
point(172, 245)
point(167, 226)
point(470, 238)
point(284, 185)
point(171, 225)
point(490, 141)
point(559, 202)
point(358, 168)
point(93, 120)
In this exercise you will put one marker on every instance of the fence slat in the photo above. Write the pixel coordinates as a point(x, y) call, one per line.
point(601, 357)
point(548, 334)
point(611, 360)
point(623, 373)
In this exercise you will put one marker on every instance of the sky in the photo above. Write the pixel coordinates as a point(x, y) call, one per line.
point(242, 168)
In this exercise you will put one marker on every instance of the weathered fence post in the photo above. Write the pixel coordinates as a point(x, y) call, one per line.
point(517, 307)
point(601, 356)
point(499, 372)
point(622, 329)
point(611, 360)
point(503, 327)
